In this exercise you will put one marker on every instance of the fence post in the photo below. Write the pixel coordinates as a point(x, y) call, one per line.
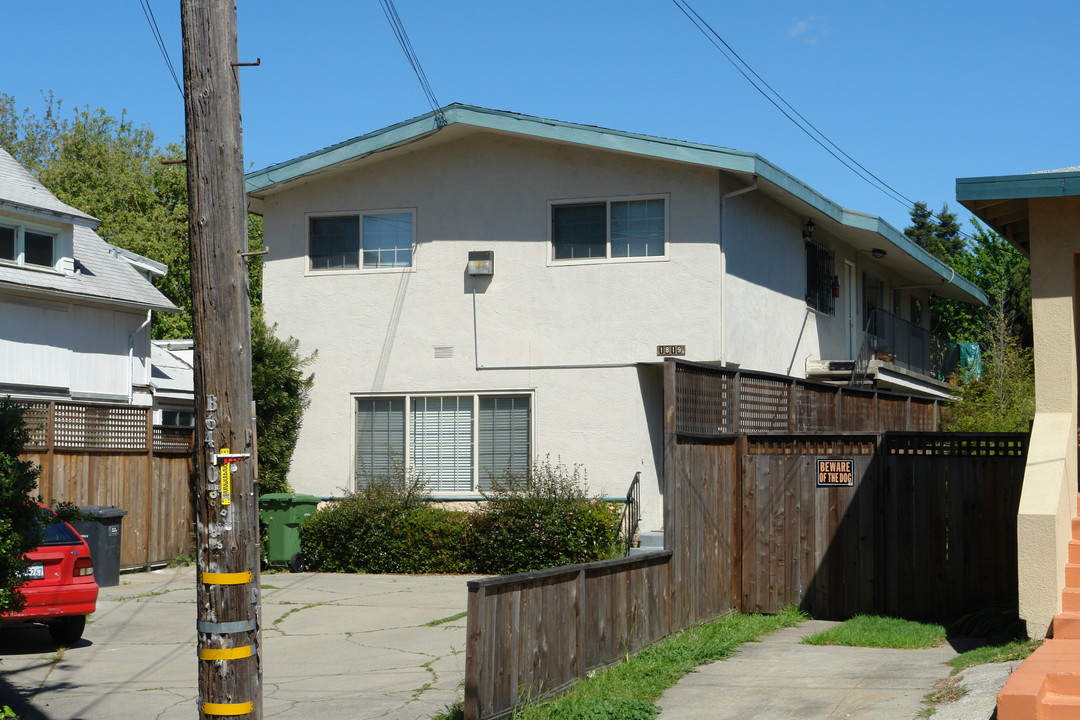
point(149, 524)
point(470, 707)
point(579, 611)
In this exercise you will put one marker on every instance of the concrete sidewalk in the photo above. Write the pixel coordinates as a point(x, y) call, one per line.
point(335, 646)
point(780, 679)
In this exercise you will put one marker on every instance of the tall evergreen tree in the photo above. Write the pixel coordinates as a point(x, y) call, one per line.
point(937, 233)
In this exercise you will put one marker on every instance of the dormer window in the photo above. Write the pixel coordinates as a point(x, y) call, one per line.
point(25, 246)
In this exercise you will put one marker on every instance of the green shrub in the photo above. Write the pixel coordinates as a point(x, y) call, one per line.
point(545, 522)
point(386, 528)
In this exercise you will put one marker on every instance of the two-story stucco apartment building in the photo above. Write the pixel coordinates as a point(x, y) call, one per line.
point(484, 288)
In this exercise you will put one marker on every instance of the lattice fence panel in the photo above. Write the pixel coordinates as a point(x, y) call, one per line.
point(36, 417)
point(704, 402)
point(815, 408)
point(173, 440)
point(99, 427)
point(962, 445)
point(763, 404)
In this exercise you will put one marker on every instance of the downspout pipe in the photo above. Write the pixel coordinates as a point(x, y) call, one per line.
point(131, 356)
point(722, 261)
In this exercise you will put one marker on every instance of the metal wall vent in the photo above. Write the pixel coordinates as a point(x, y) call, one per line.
point(444, 351)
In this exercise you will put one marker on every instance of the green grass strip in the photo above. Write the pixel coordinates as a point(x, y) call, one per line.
point(630, 689)
point(881, 632)
point(1011, 651)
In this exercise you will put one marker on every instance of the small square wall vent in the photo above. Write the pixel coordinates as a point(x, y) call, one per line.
point(444, 351)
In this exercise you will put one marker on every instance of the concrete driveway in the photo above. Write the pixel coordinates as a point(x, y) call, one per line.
point(335, 646)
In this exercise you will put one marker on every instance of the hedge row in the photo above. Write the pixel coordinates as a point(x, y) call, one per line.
point(381, 529)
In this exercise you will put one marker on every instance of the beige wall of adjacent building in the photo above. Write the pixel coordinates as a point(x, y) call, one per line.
point(1048, 502)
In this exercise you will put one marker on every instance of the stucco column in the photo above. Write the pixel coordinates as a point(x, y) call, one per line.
point(1048, 501)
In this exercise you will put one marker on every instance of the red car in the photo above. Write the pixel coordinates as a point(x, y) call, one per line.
point(60, 590)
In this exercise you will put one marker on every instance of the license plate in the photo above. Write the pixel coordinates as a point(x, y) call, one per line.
point(35, 572)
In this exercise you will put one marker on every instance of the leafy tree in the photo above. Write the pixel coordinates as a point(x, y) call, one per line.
point(112, 169)
point(281, 395)
point(1003, 398)
point(18, 531)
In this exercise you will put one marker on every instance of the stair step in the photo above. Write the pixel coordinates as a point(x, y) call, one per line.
point(653, 540)
point(1070, 600)
point(1072, 575)
point(1059, 707)
point(1074, 551)
point(1064, 682)
point(1066, 626)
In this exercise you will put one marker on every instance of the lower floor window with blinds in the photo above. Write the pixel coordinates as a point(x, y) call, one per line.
point(454, 443)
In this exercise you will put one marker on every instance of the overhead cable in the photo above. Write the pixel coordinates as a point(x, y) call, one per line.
point(414, 61)
point(149, 13)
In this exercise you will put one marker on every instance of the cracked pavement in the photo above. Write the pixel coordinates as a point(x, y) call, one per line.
point(334, 646)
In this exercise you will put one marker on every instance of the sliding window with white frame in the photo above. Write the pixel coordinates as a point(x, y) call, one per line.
point(456, 444)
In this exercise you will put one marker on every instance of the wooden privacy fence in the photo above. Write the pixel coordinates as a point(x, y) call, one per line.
point(926, 529)
point(113, 455)
point(533, 634)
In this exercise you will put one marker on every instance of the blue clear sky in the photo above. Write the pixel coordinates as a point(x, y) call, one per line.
point(920, 92)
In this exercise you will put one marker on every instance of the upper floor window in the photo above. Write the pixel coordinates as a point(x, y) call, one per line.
point(367, 240)
point(24, 246)
point(609, 229)
point(820, 277)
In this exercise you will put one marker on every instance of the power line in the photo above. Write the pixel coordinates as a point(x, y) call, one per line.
point(410, 54)
point(149, 13)
point(798, 119)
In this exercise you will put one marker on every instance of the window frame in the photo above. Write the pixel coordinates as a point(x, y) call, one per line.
point(19, 232)
point(359, 216)
point(608, 201)
point(820, 299)
point(478, 484)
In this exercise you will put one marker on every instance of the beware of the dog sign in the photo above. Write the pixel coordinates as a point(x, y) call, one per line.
point(831, 473)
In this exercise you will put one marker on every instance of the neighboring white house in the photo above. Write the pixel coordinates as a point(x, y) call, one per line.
point(74, 311)
point(484, 288)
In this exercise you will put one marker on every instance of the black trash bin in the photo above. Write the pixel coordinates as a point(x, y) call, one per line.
point(101, 530)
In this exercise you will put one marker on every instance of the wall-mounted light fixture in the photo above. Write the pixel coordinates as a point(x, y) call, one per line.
point(808, 230)
point(482, 262)
point(878, 253)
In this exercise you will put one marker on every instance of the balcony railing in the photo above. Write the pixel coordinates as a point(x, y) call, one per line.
point(892, 339)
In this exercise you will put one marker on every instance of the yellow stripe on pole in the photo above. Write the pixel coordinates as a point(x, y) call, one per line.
point(225, 653)
point(239, 578)
point(228, 708)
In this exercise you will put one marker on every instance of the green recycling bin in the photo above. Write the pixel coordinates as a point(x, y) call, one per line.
point(282, 514)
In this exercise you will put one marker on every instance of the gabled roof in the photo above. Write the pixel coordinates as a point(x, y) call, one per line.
point(100, 275)
point(862, 231)
point(1002, 201)
point(22, 192)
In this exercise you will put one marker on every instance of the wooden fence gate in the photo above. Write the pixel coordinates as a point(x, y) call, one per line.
point(923, 526)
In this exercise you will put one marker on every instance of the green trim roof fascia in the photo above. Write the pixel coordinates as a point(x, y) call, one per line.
point(1018, 187)
point(874, 224)
point(617, 140)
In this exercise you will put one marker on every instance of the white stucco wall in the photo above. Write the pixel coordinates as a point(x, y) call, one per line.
point(376, 331)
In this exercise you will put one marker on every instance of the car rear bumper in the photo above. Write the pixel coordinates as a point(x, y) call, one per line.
point(50, 602)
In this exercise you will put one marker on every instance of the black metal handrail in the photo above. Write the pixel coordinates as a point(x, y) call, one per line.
point(890, 338)
point(631, 513)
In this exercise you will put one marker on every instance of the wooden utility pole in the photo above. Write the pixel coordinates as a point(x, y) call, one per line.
point(226, 505)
